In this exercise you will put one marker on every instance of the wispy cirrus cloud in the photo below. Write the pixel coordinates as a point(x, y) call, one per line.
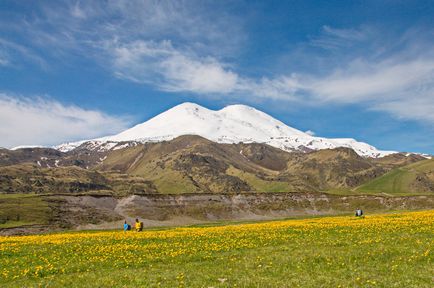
point(43, 121)
point(81, 26)
point(11, 51)
point(334, 38)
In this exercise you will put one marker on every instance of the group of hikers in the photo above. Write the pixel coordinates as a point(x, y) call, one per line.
point(138, 226)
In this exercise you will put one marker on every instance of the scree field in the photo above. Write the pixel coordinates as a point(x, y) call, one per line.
point(388, 250)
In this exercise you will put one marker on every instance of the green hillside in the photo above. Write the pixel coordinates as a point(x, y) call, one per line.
point(22, 209)
point(416, 178)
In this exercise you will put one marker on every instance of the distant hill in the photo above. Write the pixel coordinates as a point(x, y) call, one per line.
point(416, 178)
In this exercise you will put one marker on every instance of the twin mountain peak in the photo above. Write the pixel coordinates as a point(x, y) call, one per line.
point(232, 124)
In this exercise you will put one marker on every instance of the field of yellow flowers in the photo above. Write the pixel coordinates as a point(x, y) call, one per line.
point(385, 250)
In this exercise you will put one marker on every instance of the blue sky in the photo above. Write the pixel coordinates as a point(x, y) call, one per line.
point(72, 70)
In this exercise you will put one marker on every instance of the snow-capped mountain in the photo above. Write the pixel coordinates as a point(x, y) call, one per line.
point(232, 124)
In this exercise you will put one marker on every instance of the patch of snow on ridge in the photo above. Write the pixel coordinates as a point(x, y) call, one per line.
point(69, 146)
point(232, 124)
point(26, 146)
point(118, 147)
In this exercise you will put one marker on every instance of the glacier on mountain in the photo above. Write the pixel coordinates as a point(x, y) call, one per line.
point(232, 124)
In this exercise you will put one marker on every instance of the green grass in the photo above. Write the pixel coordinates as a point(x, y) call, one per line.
point(399, 181)
point(259, 184)
point(16, 196)
point(340, 191)
point(172, 182)
point(22, 209)
point(390, 250)
point(14, 224)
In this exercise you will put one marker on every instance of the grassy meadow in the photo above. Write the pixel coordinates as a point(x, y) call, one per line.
point(402, 181)
point(22, 209)
point(384, 250)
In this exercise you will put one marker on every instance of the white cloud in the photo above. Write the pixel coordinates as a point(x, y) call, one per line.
point(364, 81)
point(171, 70)
point(40, 121)
point(310, 132)
point(412, 108)
point(197, 75)
point(403, 88)
point(160, 64)
point(279, 88)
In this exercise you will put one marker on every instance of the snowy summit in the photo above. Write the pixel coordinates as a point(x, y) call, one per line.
point(232, 124)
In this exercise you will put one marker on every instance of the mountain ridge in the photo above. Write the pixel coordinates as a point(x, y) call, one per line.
point(191, 164)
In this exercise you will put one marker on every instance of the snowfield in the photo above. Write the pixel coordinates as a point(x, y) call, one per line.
point(232, 124)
